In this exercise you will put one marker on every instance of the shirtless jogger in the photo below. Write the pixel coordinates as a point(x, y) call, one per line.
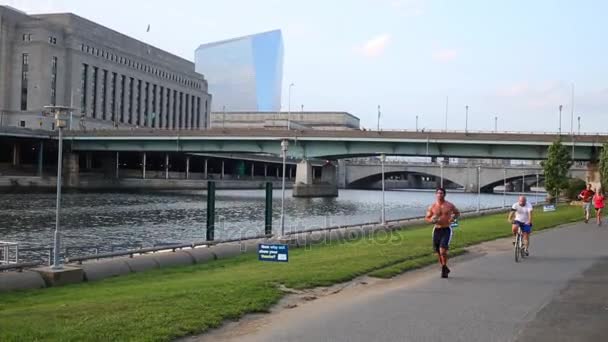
point(441, 214)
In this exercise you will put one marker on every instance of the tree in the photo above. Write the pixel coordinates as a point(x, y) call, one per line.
point(556, 168)
point(604, 166)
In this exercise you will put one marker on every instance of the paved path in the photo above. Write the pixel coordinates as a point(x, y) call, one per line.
point(559, 293)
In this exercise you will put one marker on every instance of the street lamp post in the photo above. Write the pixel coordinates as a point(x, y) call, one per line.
point(383, 217)
point(60, 123)
point(289, 107)
point(495, 124)
point(478, 188)
point(223, 117)
point(416, 123)
point(579, 125)
point(284, 145)
point(466, 119)
point(560, 118)
point(504, 190)
point(537, 186)
point(379, 113)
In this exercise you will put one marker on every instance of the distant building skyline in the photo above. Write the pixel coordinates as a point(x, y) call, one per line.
point(244, 73)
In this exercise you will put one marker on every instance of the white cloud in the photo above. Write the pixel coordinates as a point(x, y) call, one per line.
point(445, 55)
point(375, 46)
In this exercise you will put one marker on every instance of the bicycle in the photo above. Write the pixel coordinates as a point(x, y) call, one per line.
point(520, 252)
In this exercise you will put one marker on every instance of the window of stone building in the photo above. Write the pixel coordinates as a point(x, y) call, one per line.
point(104, 79)
point(94, 93)
point(84, 87)
point(198, 112)
point(22, 123)
point(146, 98)
point(138, 112)
point(113, 97)
point(53, 80)
point(161, 107)
point(26, 37)
point(25, 65)
point(174, 114)
point(121, 110)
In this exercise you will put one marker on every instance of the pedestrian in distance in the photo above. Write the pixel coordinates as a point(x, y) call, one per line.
point(586, 196)
point(598, 203)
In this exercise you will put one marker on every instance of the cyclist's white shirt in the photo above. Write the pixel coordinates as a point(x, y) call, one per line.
point(522, 214)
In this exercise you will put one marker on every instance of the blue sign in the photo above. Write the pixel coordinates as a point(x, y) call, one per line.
point(549, 207)
point(273, 252)
point(454, 224)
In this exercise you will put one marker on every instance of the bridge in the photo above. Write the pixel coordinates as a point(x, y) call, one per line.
point(331, 146)
point(466, 176)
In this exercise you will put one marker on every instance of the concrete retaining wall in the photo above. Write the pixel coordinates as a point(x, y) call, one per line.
point(11, 281)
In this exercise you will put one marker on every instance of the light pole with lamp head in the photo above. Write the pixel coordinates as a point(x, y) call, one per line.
point(560, 118)
point(379, 113)
point(289, 107)
point(60, 123)
point(383, 216)
point(466, 119)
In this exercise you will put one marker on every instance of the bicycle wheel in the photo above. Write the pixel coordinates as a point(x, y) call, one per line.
point(517, 248)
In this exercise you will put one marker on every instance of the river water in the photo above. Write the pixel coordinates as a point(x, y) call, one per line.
point(127, 220)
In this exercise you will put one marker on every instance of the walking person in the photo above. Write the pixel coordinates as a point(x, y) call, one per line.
point(598, 203)
point(586, 196)
point(441, 214)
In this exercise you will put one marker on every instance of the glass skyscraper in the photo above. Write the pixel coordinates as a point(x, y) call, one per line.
point(244, 74)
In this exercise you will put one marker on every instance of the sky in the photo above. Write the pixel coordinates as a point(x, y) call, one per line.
point(516, 60)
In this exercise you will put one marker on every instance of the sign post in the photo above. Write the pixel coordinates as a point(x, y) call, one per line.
point(273, 252)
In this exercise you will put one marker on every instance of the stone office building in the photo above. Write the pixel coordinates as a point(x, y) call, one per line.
point(109, 79)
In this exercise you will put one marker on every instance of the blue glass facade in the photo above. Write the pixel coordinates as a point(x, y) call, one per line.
point(244, 74)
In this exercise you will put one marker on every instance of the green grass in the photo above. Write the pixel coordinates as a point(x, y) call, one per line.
point(163, 304)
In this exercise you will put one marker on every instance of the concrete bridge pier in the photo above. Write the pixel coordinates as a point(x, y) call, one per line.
point(305, 185)
point(72, 169)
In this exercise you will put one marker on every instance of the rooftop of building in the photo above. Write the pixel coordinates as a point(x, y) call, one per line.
point(67, 20)
point(220, 42)
point(298, 112)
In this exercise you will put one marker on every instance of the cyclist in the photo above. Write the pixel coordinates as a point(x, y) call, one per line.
point(598, 203)
point(586, 195)
point(441, 214)
point(520, 217)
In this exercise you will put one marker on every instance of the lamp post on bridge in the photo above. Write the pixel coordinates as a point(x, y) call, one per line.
point(560, 119)
point(495, 124)
point(379, 113)
point(466, 119)
point(289, 107)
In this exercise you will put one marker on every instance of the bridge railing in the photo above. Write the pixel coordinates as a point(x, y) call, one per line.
point(563, 133)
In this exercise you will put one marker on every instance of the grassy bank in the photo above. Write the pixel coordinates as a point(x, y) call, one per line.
point(164, 304)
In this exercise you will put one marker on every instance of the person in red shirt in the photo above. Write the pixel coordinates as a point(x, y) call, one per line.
point(598, 203)
point(586, 196)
